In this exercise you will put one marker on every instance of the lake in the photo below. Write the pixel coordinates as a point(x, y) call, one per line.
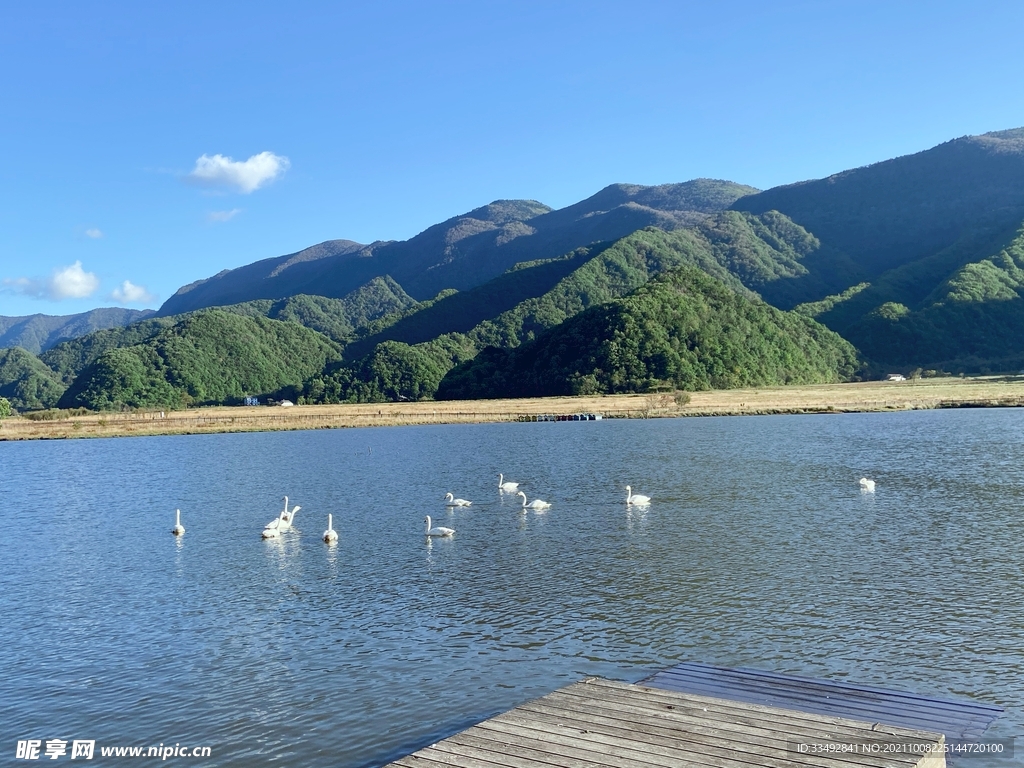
point(759, 550)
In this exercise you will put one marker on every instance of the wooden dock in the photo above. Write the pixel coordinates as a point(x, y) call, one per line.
point(605, 724)
point(961, 722)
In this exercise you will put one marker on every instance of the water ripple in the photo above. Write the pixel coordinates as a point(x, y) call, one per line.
point(759, 550)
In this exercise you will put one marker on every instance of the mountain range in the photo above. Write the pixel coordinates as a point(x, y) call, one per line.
point(37, 333)
point(914, 262)
point(466, 250)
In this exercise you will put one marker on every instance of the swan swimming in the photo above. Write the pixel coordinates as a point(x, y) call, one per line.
point(178, 528)
point(273, 528)
point(330, 535)
point(636, 498)
point(439, 530)
point(284, 521)
point(451, 501)
point(868, 486)
point(535, 504)
point(288, 517)
point(507, 487)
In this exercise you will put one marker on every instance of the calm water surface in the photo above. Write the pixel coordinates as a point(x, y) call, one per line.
point(759, 550)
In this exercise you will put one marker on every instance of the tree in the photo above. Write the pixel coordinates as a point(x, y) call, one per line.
point(5, 408)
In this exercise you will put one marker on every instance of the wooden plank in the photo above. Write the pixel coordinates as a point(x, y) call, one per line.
point(432, 757)
point(782, 680)
point(697, 720)
point(800, 687)
point(796, 719)
point(559, 733)
point(523, 749)
point(681, 756)
point(607, 724)
point(467, 745)
point(626, 753)
point(764, 692)
point(759, 735)
point(559, 747)
point(865, 707)
point(959, 720)
point(721, 724)
point(715, 753)
point(708, 738)
point(955, 729)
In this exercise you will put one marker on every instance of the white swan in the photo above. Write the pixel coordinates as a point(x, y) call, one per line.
point(451, 501)
point(284, 521)
point(507, 487)
point(868, 486)
point(273, 528)
point(330, 535)
point(636, 498)
point(439, 530)
point(535, 504)
point(289, 517)
point(178, 528)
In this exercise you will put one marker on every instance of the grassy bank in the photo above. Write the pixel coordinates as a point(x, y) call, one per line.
point(987, 391)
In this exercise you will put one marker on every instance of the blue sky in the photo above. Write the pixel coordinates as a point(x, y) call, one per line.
point(158, 143)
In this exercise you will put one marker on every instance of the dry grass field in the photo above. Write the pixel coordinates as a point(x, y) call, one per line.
point(986, 391)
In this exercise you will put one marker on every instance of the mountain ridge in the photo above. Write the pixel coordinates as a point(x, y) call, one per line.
point(39, 332)
point(465, 250)
point(887, 213)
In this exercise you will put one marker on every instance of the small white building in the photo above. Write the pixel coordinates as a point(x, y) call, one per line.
point(286, 403)
point(895, 377)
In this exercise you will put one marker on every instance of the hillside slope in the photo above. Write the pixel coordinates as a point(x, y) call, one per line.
point(37, 333)
point(395, 369)
point(918, 264)
point(973, 321)
point(210, 356)
point(682, 330)
point(26, 381)
point(900, 210)
point(335, 318)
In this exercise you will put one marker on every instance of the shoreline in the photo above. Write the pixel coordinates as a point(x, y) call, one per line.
point(858, 397)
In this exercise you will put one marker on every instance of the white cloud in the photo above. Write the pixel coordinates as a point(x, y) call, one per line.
point(243, 176)
point(129, 293)
point(94, 233)
point(223, 215)
point(71, 282)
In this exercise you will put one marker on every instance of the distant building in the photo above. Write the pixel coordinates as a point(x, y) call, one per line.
point(252, 401)
point(286, 403)
point(895, 377)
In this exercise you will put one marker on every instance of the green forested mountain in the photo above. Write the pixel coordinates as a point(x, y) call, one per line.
point(929, 247)
point(211, 356)
point(460, 311)
point(40, 382)
point(37, 333)
point(467, 250)
point(26, 382)
point(335, 318)
point(916, 261)
point(761, 248)
point(70, 358)
point(682, 330)
point(749, 253)
point(974, 320)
